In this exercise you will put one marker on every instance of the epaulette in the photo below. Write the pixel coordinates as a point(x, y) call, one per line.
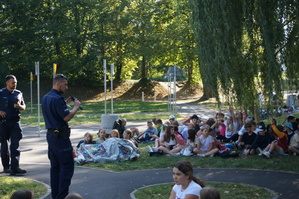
point(17, 91)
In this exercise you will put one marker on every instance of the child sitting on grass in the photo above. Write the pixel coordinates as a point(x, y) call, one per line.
point(168, 143)
point(114, 134)
point(205, 144)
point(150, 134)
point(294, 143)
point(247, 139)
point(190, 144)
point(280, 144)
point(88, 139)
point(101, 136)
point(262, 140)
point(128, 135)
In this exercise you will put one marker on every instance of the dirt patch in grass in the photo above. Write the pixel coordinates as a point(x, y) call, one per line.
point(132, 90)
point(148, 87)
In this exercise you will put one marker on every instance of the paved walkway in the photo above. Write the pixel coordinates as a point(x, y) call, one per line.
point(95, 183)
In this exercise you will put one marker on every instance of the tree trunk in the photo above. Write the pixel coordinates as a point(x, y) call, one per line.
point(207, 91)
point(190, 72)
point(118, 72)
point(143, 68)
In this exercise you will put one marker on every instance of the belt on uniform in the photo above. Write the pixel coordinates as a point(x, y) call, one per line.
point(13, 118)
point(63, 133)
point(52, 130)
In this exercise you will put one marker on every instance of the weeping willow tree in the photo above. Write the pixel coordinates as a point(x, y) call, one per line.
point(243, 46)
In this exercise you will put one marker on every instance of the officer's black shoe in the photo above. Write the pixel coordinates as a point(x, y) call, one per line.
point(6, 170)
point(16, 171)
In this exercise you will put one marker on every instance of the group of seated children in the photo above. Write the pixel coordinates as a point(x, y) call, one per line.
point(102, 137)
point(207, 138)
point(187, 142)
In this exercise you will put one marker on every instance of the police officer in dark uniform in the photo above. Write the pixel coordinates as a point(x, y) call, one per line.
point(11, 103)
point(60, 151)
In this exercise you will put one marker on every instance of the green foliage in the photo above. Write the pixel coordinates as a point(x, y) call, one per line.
point(135, 36)
point(242, 46)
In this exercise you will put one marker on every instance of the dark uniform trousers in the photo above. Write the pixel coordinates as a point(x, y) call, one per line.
point(60, 154)
point(10, 131)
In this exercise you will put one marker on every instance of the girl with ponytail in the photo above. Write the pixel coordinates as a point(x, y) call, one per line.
point(187, 186)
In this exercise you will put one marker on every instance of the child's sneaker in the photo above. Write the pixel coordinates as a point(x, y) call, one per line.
point(201, 155)
point(266, 153)
point(294, 154)
point(260, 151)
point(149, 149)
point(176, 154)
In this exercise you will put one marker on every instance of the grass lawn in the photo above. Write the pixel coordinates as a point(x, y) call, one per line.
point(8, 185)
point(93, 111)
point(227, 191)
point(280, 163)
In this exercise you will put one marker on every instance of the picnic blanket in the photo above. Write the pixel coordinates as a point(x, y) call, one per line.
point(113, 149)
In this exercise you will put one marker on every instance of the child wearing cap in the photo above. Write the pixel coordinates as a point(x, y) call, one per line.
point(288, 127)
point(195, 120)
point(262, 140)
point(171, 119)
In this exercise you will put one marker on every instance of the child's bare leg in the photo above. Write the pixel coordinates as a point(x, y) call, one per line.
point(196, 150)
point(292, 149)
point(272, 147)
point(213, 151)
point(252, 152)
point(157, 143)
point(175, 150)
point(164, 149)
point(267, 148)
point(135, 131)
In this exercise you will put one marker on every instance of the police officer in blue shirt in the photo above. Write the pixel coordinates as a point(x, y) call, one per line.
point(60, 150)
point(11, 103)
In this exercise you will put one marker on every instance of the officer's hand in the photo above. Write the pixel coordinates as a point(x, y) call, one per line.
point(2, 114)
point(68, 100)
point(17, 105)
point(77, 103)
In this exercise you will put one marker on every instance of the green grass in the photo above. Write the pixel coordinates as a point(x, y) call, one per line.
point(8, 185)
point(227, 191)
point(93, 111)
point(279, 163)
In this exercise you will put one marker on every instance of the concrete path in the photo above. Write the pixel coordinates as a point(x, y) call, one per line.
point(95, 183)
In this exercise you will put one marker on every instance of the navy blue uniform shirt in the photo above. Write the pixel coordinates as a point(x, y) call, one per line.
point(54, 109)
point(7, 101)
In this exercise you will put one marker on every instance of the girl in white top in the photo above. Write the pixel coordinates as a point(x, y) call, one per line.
point(169, 141)
point(186, 185)
point(205, 144)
